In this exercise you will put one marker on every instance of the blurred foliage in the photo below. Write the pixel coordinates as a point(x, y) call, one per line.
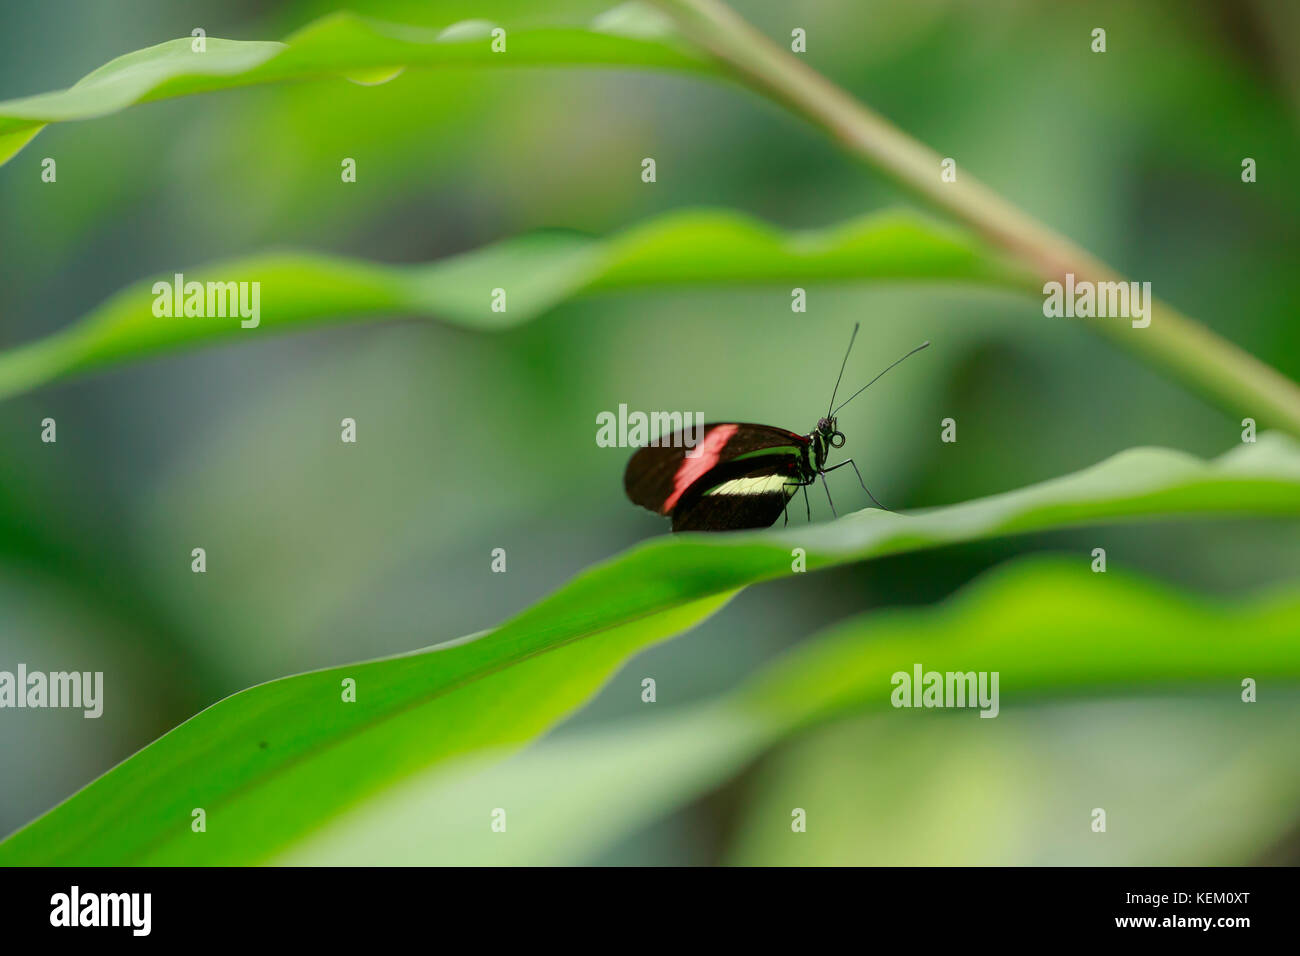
point(320, 554)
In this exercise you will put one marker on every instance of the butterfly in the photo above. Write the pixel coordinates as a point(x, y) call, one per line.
point(737, 474)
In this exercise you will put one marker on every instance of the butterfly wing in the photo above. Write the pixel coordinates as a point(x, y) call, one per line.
point(746, 493)
point(658, 476)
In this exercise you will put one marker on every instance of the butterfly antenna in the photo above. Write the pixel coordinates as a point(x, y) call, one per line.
point(876, 379)
point(842, 364)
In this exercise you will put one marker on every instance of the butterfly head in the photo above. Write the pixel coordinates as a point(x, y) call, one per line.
point(828, 430)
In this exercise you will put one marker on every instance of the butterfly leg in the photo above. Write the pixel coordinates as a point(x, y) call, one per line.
point(827, 485)
point(784, 508)
point(849, 461)
point(807, 507)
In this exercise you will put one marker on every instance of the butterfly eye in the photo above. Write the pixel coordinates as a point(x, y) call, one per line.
point(840, 436)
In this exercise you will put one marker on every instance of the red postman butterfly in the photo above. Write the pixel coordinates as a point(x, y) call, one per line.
point(740, 475)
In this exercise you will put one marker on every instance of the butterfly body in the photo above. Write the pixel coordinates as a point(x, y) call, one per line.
point(739, 475)
point(735, 475)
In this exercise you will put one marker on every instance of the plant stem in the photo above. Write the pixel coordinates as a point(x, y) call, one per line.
point(1191, 352)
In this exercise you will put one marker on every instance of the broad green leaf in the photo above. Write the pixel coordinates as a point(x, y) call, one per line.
point(339, 45)
point(322, 756)
point(271, 762)
point(1050, 628)
point(537, 272)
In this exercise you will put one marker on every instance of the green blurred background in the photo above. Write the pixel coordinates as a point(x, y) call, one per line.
point(320, 553)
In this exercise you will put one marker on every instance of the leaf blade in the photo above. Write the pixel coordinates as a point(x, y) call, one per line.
point(338, 45)
point(538, 271)
point(321, 753)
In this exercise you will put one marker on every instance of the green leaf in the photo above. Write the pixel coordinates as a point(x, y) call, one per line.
point(1049, 628)
point(322, 756)
point(537, 272)
point(269, 763)
point(339, 45)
